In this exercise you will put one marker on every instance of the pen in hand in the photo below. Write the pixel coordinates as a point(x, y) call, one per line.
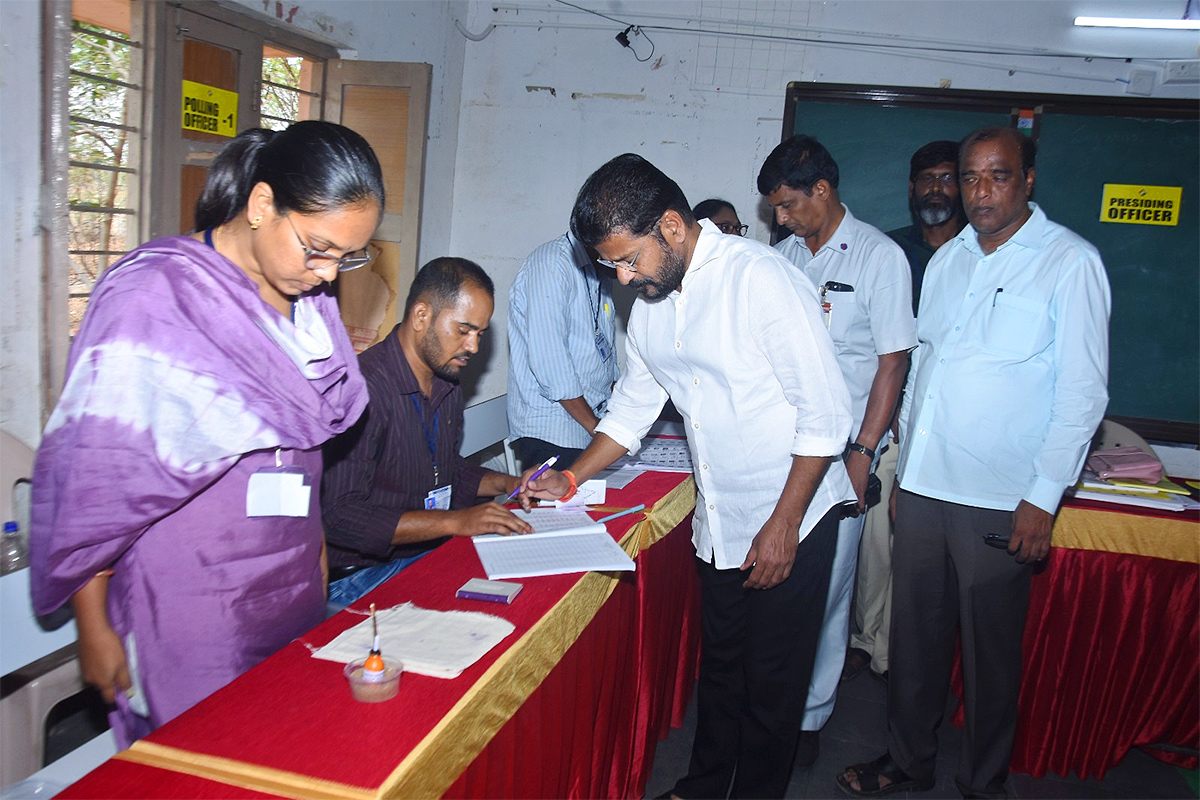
point(547, 464)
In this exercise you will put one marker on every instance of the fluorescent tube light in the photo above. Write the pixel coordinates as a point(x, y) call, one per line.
point(1124, 22)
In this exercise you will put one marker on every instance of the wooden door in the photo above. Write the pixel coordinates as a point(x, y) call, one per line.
point(228, 61)
point(388, 103)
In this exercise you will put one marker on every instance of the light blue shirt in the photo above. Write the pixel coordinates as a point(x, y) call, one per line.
point(1009, 381)
point(561, 330)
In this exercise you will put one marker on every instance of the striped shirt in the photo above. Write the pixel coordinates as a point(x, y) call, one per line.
point(561, 330)
point(383, 466)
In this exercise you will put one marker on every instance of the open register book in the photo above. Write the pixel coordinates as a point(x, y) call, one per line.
point(562, 541)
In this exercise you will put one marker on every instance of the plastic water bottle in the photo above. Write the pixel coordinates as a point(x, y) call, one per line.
point(12, 549)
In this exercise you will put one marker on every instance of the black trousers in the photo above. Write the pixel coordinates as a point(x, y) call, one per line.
point(945, 580)
point(533, 452)
point(756, 660)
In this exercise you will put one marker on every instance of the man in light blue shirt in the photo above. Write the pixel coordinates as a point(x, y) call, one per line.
point(562, 363)
point(1007, 388)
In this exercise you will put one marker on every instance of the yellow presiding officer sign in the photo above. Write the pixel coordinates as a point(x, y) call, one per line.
point(209, 109)
point(1141, 205)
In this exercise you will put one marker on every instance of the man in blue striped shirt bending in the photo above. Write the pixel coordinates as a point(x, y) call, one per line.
point(562, 364)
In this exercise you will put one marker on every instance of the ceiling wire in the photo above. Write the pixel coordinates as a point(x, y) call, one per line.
point(842, 42)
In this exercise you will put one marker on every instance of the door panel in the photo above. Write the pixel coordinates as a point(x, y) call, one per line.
point(388, 103)
point(213, 53)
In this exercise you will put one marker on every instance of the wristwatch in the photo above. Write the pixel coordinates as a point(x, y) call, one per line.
point(855, 446)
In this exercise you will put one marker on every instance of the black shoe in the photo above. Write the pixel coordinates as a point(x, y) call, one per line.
point(857, 660)
point(808, 749)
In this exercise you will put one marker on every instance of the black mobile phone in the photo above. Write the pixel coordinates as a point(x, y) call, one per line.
point(834, 286)
point(874, 490)
point(996, 540)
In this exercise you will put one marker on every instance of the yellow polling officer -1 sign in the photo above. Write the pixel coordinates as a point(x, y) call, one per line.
point(1141, 205)
point(209, 109)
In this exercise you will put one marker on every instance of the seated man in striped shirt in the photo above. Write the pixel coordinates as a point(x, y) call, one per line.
point(562, 365)
point(395, 486)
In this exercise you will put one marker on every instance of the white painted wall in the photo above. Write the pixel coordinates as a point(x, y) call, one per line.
point(20, 238)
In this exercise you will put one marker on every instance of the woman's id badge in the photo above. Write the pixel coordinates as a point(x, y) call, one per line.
point(278, 491)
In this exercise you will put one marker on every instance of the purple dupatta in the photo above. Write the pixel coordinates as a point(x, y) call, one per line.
point(180, 368)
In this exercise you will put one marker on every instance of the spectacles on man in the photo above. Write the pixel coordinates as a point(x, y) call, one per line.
point(729, 227)
point(628, 265)
point(319, 259)
point(943, 179)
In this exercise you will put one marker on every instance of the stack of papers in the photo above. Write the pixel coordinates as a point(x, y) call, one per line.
point(1164, 495)
point(440, 644)
point(665, 454)
point(563, 541)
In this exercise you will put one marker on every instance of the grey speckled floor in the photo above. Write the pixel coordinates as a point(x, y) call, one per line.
point(857, 732)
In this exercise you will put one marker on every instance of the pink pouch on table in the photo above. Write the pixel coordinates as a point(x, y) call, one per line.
point(1125, 462)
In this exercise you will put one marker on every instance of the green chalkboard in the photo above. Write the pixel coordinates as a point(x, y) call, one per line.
point(1083, 143)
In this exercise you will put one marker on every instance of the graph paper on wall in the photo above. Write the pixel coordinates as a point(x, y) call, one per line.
point(742, 62)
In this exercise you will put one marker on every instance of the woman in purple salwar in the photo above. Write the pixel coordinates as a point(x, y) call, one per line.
point(175, 491)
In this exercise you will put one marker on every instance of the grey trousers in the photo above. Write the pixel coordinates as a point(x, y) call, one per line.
point(945, 580)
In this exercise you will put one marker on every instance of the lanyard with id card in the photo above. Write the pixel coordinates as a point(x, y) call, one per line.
point(278, 491)
point(602, 345)
point(439, 497)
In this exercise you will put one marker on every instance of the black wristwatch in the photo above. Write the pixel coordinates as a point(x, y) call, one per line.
point(866, 451)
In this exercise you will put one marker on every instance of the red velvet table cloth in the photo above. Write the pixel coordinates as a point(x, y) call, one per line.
point(1111, 647)
point(603, 694)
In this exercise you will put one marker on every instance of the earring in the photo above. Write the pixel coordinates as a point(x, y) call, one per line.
point(256, 222)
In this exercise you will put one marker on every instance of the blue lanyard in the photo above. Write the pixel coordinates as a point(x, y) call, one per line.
point(587, 290)
point(430, 435)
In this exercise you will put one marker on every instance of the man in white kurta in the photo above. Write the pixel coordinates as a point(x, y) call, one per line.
point(731, 332)
point(865, 289)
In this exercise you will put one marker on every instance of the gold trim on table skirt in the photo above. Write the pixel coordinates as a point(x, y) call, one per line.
point(1115, 532)
point(462, 734)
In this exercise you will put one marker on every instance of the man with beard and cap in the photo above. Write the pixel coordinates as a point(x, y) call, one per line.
point(865, 289)
point(732, 333)
point(937, 218)
point(395, 486)
point(934, 202)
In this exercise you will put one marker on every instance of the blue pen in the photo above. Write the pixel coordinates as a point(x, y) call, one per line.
point(550, 462)
point(633, 510)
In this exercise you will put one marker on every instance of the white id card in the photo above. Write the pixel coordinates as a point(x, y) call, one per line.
point(438, 499)
point(277, 493)
point(602, 345)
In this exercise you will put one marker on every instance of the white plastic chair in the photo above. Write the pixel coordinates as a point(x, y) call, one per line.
point(47, 660)
point(1111, 435)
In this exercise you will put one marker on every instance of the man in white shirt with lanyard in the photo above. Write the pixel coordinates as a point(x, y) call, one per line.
point(729, 331)
point(1007, 389)
point(865, 288)
point(562, 365)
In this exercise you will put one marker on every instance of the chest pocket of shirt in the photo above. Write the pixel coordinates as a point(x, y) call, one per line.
point(1017, 325)
point(843, 314)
